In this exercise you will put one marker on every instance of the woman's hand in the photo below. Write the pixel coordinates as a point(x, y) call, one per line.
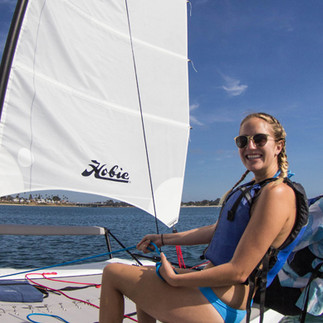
point(146, 240)
point(167, 270)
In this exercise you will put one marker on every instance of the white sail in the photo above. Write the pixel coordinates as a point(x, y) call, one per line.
point(97, 102)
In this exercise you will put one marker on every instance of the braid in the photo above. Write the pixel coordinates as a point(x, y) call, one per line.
point(240, 180)
point(234, 186)
point(283, 163)
point(279, 135)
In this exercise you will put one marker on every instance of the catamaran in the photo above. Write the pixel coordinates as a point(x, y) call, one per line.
point(93, 98)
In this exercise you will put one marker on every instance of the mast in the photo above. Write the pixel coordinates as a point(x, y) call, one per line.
point(10, 47)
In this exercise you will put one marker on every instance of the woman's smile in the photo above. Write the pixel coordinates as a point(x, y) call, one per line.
point(261, 160)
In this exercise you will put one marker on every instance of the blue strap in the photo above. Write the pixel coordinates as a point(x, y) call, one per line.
point(155, 246)
point(158, 264)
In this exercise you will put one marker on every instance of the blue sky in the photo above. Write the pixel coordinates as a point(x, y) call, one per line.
point(250, 56)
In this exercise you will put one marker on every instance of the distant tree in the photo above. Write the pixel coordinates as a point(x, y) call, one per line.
point(109, 203)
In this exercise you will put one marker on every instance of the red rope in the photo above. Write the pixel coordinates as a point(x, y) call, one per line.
point(199, 265)
point(70, 281)
point(56, 290)
point(180, 257)
point(62, 293)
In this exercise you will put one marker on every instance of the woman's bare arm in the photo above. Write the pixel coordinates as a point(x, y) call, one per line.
point(197, 236)
point(271, 221)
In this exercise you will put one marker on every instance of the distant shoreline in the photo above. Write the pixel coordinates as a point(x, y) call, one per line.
point(91, 205)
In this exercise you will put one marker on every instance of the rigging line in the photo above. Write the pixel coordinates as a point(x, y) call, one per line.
point(123, 246)
point(59, 291)
point(67, 296)
point(142, 118)
point(69, 262)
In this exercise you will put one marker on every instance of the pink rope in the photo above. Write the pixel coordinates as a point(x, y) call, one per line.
point(180, 257)
point(62, 293)
point(199, 265)
point(69, 281)
point(57, 290)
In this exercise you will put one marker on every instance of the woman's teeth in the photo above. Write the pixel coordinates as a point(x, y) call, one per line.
point(253, 156)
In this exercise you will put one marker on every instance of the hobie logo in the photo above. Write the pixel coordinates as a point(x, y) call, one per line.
point(101, 171)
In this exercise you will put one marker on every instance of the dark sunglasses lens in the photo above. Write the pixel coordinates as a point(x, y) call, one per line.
point(260, 139)
point(241, 141)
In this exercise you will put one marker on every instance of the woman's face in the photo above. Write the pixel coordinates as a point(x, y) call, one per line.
point(262, 161)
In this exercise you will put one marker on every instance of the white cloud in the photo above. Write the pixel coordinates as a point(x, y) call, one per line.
point(194, 106)
point(193, 119)
point(233, 87)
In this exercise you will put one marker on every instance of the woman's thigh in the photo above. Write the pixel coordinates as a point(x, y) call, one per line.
point(157, 298)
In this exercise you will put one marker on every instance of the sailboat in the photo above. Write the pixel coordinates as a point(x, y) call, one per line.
point(94, 99)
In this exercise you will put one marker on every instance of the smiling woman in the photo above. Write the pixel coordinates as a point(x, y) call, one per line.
point(259, 223)
point(266, 147)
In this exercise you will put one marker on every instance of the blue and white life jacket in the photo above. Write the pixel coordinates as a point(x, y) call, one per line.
point(233, 220)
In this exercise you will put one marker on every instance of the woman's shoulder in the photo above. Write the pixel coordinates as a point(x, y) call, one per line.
point(278, 190)
point(276, 209)
point(276, 197)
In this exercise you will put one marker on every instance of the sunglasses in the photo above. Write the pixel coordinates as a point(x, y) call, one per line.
point(259, 139)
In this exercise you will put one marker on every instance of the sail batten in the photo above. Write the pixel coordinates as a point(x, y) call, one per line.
point(72, 115)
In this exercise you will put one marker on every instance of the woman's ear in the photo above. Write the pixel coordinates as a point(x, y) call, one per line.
point(279, 146)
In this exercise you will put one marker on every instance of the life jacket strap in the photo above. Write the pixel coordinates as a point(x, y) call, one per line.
point(245, 193)
point(259, 278)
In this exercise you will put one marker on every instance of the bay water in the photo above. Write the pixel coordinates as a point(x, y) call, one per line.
point(129, 225)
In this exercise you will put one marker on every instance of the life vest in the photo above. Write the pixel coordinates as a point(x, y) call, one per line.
point(233, 220)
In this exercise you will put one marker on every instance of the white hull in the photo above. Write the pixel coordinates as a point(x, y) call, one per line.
point(70, 310)
point(76, 311)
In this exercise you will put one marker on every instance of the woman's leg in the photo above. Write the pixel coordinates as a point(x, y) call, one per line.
point(111, 301)
point(143, 317)
point(154, 298)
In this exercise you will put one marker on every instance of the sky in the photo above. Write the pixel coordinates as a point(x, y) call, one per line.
point(247, 56)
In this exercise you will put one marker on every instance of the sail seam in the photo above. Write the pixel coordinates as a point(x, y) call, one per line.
point(124, 35)
point(93, 99)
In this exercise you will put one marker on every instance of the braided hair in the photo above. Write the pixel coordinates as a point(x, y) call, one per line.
point(279, 135)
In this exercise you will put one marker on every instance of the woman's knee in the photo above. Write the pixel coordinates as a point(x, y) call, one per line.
point(111, 272)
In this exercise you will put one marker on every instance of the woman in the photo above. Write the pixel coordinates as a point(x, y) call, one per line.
point(217, 293)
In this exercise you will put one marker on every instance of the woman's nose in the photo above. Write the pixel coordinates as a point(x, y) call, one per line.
point(251, 144)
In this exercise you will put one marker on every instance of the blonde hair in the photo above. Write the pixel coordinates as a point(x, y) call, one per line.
point(279, 135)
